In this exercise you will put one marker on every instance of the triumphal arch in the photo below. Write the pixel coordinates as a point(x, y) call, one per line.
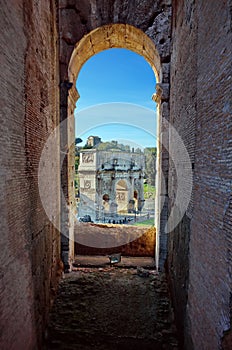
point(111, 183)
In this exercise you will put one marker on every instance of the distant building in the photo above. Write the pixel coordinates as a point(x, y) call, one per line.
point(93, 141)
point(111, 183)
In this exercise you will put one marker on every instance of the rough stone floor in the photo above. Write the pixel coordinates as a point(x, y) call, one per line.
point(112, 308)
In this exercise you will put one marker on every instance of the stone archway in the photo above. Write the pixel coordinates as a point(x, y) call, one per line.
point(128, 37)
point(114, 36)
point(121, 190)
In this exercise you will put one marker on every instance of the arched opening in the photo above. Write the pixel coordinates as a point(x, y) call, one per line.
point(106, 198)
point(113, 36)
point(136, 200)
point(122, 197)
point(106, 205)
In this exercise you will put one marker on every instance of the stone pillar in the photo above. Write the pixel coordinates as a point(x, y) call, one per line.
point(130, 187)
point(161, 212)
point(141, 194)
point(67, 141)
point(113, 201)
point(72, 99)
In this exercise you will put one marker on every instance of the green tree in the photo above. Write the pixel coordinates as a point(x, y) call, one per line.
point(150, 164)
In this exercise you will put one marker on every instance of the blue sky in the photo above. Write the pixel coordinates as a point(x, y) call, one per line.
point(115, 88)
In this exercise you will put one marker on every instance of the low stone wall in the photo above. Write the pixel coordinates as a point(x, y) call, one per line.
point(98, 239)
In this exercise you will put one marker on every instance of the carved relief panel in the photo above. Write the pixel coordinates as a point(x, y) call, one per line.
point(87, 184)
point(87, 157)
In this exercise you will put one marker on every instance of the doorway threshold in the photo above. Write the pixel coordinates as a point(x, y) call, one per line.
point(99, 261)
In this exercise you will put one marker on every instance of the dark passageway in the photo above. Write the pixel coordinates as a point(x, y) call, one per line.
point(112, 308)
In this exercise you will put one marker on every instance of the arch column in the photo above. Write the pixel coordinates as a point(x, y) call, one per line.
point(113, 201)
point(161, 97)
point(68, 98)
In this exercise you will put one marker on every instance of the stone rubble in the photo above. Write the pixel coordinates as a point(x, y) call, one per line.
point(112, 308)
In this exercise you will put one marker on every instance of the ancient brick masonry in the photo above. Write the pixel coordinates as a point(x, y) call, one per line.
point(200, 247)
point(29, 96)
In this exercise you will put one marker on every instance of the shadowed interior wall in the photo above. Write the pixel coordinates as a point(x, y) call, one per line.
point(29, 107)
point(199, 258)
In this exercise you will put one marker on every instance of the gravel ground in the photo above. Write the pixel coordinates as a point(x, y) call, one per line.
point(112, 309)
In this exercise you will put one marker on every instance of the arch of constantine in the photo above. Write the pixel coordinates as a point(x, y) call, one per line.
point(111, 183)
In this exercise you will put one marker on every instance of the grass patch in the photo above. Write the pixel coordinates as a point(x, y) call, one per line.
point(149, 222)
point(149, 191)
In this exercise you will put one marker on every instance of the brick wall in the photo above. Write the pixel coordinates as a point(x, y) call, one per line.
point(200, 247)
point(29, 243)
point(183, 118)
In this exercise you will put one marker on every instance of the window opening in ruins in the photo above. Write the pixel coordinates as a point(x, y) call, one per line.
point(114, 182)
